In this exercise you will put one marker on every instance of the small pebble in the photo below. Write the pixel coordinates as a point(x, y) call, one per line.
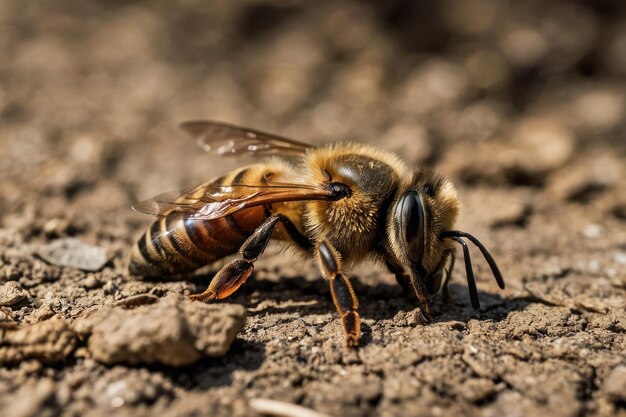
point(593, 231)
point(91, 282)
point(74, 253)
point(12, 293)
point(541, 146)
point(615, 384)
point(620, 258)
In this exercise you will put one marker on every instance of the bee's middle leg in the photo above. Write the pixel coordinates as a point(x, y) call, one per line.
point(234, 274)
point(342, 292)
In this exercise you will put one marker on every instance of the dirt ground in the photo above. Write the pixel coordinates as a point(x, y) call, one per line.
point(521, 104)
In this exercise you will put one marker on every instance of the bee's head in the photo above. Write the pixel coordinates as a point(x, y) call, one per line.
point(425, 206)
point(419, 226)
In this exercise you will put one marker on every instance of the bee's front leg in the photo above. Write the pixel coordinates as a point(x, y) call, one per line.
point(448, 275)
point(342, 292)
point(412, 288)
point(402, 279)
point(234, 274)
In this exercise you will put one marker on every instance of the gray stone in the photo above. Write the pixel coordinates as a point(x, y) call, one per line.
point(74, 253)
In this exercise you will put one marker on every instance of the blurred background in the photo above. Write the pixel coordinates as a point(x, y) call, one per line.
point(93, 89)
point(506, 97)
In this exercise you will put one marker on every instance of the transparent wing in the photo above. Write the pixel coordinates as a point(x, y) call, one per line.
point(229, 140)
point(209, 202)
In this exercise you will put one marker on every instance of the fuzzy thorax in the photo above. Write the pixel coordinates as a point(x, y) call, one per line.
point(351, 223)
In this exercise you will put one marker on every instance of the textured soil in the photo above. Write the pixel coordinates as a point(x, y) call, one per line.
point(521, 104)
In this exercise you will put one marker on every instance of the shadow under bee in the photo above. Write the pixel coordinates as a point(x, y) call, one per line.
point(312, 297)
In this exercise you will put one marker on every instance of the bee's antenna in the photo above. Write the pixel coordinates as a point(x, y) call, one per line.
point(492, 262)
point(469, 272)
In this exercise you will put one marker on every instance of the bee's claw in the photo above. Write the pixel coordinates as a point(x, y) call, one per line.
point(203, 297)
point(352, 342)
point(427, 317)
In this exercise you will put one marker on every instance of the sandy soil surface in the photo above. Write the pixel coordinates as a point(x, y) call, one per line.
point(521, 104)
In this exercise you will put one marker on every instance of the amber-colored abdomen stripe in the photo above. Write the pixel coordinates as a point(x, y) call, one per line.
point(178, 244)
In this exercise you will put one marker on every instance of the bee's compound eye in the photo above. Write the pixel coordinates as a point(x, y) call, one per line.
point(410, 218)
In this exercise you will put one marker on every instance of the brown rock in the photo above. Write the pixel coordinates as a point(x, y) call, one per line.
point(49, 341)
point(486, 68)
point(12, 293)
point(43, 312)
point(121, 386)
point(582, 180)
point(499, 207)
point(524, 46)
point(537, 147)
point(173, 331)
point(615, 384)
point(6, 317)
point(601, 109)
point(29, 400)
point(477, 389)
point(540, 147)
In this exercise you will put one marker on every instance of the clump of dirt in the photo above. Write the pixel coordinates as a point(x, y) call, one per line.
point(171, 331)
point(47, 342)
point(521, 104)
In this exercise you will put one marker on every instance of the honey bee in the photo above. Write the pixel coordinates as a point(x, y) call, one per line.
point(340, 204)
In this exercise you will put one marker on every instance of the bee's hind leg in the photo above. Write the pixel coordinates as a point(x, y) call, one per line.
point(342, 292)
point(234, 274)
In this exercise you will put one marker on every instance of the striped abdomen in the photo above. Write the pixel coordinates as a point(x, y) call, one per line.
point(177, 244)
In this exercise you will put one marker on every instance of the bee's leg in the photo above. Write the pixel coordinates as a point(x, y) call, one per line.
point(234, 274)
point(402, 279)
point(422, 295)
point(448, 274)
point(411, 288)
point(342, 292)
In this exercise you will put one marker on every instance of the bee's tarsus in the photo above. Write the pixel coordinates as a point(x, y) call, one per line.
point(228, 280)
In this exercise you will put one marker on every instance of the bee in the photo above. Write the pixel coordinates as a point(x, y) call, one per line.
point(340, 203)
